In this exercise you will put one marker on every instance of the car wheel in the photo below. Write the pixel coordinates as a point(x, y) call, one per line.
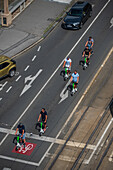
point(11, 73)
point(81, 25)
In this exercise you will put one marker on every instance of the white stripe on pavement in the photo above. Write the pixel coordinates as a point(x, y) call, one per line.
point(19, 160)
point(50, 139)
point(87, 161)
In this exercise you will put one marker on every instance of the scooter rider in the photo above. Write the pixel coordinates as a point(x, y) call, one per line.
point(75, 79)
point(67, 64)
point(90, 43)
point(21, 129)
point(43, 116)
point(87, 53)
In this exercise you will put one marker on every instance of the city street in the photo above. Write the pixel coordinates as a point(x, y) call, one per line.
point(38, 84)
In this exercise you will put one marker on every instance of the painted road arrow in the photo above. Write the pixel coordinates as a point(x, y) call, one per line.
point(31, 79)
point(64, 93)
point(111, 22)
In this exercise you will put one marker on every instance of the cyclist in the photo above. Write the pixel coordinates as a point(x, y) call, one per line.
point(87, 54)
point(67, 64)
point(90, 43)
point(21, 129)
point(75, 80)
point(43, 116)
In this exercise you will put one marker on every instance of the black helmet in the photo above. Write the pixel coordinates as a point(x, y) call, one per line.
point(20, 124)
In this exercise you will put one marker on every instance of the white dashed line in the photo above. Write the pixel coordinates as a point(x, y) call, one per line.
point(0, 99)
point(2, 85)
point(9, 89)
point(18, 78)
point(26, 68)
point(34, 58)
point(39, 48)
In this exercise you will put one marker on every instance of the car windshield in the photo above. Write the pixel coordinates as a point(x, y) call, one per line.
point(74, 12)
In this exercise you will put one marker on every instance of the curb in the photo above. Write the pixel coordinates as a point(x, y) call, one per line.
point(54, 25)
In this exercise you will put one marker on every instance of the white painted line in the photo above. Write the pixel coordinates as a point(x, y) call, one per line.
point(18, 78)
point(111, 22)
point(62, 94)
point(26, 68)
point(19, 160)
point(2, 85)
point(9, 89)
point(49, 81)
point(49, 139)
point(62, 1)
point(39, 48)
point(6, 168)
point(0, 99)
point(34, 58)
point(87, 161)
point(111, 157)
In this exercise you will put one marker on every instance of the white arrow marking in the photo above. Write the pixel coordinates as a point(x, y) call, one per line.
point(31, 79)
point(111, 22)
point(2, 85)
point(64, 95)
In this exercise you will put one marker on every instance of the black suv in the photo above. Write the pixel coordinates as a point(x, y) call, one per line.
point(77, 15)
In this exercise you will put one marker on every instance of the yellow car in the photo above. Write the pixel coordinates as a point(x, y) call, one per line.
point(7, 66)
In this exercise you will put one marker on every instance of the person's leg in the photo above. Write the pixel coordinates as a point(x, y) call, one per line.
point(24, 140)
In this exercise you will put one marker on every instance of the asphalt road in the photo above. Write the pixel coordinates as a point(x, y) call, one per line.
point(46, 87)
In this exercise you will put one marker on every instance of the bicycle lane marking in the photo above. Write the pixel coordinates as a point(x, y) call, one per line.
point(49, 81)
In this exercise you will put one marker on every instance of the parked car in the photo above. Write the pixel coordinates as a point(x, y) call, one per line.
point(77, 15)
point(7, 66)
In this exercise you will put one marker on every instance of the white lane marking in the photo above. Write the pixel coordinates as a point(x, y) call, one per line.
point(18, 78)
point(49, 81)
point(49, 139)
point(62, 94)
point(31, 79)
point(34, 58)
point(111, 157)
point(0, 99)
point(111, 22)
point(62, 1)
point(9, 89)
point(26, 68)
point(19, 160)
point(2, 85)
point(39, 48)
point(6, 168)
point(87, 161)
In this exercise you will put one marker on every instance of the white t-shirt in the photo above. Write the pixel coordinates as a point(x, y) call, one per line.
point(68, 62)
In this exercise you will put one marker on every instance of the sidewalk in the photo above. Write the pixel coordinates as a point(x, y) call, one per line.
point(28, 28)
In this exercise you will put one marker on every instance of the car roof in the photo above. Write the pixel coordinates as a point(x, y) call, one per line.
point(79, 5)
point(3, 58)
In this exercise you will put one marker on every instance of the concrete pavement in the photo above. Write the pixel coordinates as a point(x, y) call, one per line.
point(29, 27)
